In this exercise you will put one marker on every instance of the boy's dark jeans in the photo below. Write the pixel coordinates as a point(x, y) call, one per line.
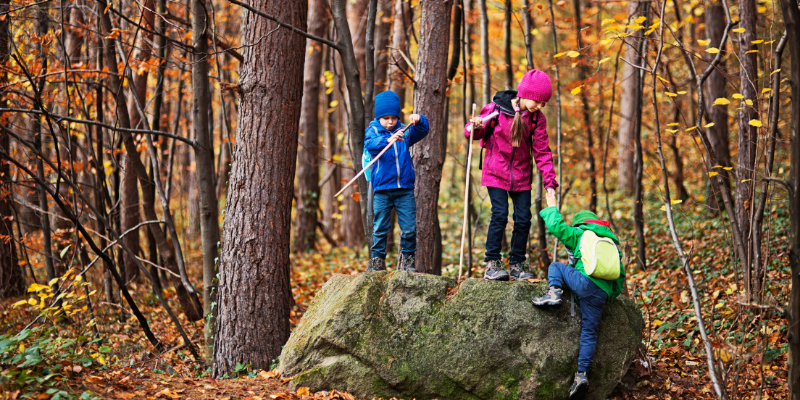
point(522, 224)
point(592, 299)
point(406, 208)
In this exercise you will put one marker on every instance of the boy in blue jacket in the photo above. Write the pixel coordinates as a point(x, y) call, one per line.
point(392, 179)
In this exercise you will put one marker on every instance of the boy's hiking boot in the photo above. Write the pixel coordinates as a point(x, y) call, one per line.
point(520, 271)
point(407, 264)
point(551, 298)
point(376, 264)
point(579, 387)
point(495, 271)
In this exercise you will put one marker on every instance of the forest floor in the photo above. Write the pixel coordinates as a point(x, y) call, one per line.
point(110, 357)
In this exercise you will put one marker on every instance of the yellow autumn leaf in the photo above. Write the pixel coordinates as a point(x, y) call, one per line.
point(52, 282)
point(670, 94)
point(607, 21)
point(773, 72)
point(604, 60)
point(691, 129)
point(748, 102)
point(712, 50)
point(682, 92)
point(662, 79)
point(334, 103)
point(35, 287)
point(673, 202)
point(712, 173)
point(703, 42)
point(641, 19)
point(672, 130)
point(19, 303)
point(576, 90)
point(721, 102)
point(751, 51)
point(32, 301)
point(765, 90)
point(673, 124)
point(573, 53)
point(559, 55)
point(737, 96)
point(303, 391)
point(739, 30)
point(728, 168)
point(757, 41)
point(663, 208)
point(755, 122)
point(709, 125)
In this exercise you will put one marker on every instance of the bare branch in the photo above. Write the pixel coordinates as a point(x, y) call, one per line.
point(287, 26)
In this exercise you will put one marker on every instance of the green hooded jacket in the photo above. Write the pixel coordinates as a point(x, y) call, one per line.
point(571, 237)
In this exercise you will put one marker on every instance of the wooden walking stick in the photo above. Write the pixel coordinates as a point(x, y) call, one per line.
point(466, 197)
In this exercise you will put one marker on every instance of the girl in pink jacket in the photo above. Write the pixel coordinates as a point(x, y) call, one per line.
point(512, 141)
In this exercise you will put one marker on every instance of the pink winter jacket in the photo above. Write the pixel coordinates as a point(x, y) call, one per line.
point(509, 168)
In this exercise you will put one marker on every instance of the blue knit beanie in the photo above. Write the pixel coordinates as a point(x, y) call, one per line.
point(387, 103)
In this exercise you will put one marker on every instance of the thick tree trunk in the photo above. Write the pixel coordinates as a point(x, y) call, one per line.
point(627, 108)
point(487, 74)
point(718, 114)
point(141, 57)
point(397, 79)
point(583, 74)
point(507, 45)
point(309, 152)
point(430, 99)
point(791, 15)
point(254, 293)
point(204, 167)
point(12, 280)
point(130, 217)
point(383, 36)
point(748, 134)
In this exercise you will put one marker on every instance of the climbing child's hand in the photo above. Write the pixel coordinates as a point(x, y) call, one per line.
point(413, 119)
point(397, 136)
point(551, 198)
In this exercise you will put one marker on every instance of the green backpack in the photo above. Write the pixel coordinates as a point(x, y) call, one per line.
point(600, 256)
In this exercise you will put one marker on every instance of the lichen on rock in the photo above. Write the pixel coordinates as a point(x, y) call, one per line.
point(394, 334)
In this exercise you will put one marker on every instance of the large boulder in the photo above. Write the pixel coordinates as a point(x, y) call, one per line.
point(394, 334)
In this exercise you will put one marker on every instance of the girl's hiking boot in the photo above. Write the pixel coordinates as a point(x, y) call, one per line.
point(579, 387)
point(376, 264)
point(407, 264)
point(495, 271)
point(520, 272)
point(551, 298)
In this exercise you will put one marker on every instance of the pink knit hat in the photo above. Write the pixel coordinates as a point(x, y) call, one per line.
point(535, 85)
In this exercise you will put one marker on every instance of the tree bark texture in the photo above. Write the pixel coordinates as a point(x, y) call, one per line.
point(254, 293)
point(718, 114)
point(583, 74)
point(627, 108)
point(383, 36)
point(397, 79)
point(308, 155)
point(130, 217)
point(507, 45)
point(487, 74)
point(748, 135)
point(12, 280)
point(430, 99)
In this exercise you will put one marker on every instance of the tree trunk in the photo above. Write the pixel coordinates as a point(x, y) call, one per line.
point(383, 35)
point(397, 79)
point(627, 108)
point(254, 293)
point(791, 15)
point(430, 99)
point(130, 218)
point(487, 74)
point(308, 154)
point(583, 74)
point(638, 195)
point(507, 45)
point(204, 167)
point(141, 57)
point(748, 135)
point(12, 280)
point(718, 114)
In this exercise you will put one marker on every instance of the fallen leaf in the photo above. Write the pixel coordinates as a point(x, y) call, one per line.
point(303, 391)
point(356, 196)
point(124, 395)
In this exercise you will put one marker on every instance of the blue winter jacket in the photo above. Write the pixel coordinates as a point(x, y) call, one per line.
point(394, 170)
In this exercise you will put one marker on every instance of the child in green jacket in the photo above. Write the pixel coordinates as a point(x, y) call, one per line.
point(592, 293)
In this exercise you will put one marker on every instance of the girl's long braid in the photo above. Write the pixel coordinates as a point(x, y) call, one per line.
point(517, 127)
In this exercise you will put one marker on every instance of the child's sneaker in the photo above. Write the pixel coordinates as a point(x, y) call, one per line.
point(495, 271)
point(579, 387)
point(376, 264)
point(551, 298)
point(407, 264)
point(520, 271)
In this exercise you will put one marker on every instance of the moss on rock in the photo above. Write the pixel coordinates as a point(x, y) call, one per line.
point(394, 334)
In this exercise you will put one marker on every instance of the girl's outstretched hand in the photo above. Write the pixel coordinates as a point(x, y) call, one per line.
point(551, 198)
point(477, 123)
point(413, 119)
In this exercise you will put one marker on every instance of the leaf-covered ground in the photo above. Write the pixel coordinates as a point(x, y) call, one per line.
point(101, 352)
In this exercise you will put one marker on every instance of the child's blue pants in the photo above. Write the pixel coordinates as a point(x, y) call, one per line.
point(402, 200)
point(592, 299)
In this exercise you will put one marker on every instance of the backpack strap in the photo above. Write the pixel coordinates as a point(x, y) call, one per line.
point(533, 131)
point(489, 128)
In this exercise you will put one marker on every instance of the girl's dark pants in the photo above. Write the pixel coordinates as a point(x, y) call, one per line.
point(522, 224)
point(591, 298)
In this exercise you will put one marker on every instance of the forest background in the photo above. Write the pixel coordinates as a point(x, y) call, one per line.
point(159, 159)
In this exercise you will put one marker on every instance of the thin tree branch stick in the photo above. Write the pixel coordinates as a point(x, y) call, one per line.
point(285, 25)
point(466, 200)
